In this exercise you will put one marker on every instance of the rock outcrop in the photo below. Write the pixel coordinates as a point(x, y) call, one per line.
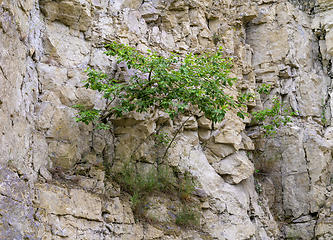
point(55, 173)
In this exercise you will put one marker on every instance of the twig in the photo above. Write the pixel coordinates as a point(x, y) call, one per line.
point(173, 139)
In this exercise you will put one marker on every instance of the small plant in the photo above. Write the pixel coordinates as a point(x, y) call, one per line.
point(264, 88)
point(293, 234)
point(216, 38)
point(186, 186)
point(162, 139)
point(276, 115)
point(188, 216)
point(161, 179)
point(320, 204)
point(141, 184)
point(258, 186)
point(323, 114)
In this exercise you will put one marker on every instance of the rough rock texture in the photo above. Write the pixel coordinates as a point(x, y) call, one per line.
point(53, 182)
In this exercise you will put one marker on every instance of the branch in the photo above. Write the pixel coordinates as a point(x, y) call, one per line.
point(136, 95)
point(173, 139)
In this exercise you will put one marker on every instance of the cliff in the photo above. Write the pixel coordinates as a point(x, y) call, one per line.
point(60, 178)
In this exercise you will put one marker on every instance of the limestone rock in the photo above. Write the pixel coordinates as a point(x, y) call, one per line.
point(116, 212)
point(190, 124)
point(287, 44)
point(78, 203)
point(247, 142)
point(149, 12)
point(64, 48)
point(161, 209)
point(204, 134)
point(230, 132)
point(204, 122)
point(45, 173)
point(130, 119)
point(72, 13)
point(16, 207)
point(235, 167)
point(152, 232)
point(216, 152)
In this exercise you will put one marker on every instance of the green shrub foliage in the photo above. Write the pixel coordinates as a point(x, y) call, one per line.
point(171, 84)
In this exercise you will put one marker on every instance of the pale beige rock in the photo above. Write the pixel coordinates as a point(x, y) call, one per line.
point(329, 133)
point(247, 142)
point(120, 4)
point(51, 77)
point(272, 42)
point(167, 40)
point(76, 202)
point(40, 153)
point(309, 87)
point(66, 49)
point(114, 210)
point(73, 13)
point(216, 152)
point(88, 184)
point(230, 132)
point(63, 154)
point(204, 134)
point(152, 232)
point(50, 9)
point(161, 209)
point(130, 119)
point(329, 42)
point(86, 205)
point(235, 167)
point(318, 153)
point(163, 119)
point(100, 61)
point(204, 122)
point(148, 12)
point(190, 123)
point(45, 173)
point(190, 137)
point(243, 230)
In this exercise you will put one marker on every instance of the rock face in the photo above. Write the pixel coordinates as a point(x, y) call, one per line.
point(55, 173)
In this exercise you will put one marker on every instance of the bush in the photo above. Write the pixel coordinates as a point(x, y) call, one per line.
point(188, 216)
point(171, 84)
point(141, 184)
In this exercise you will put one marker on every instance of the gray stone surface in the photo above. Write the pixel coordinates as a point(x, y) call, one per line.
point(45, 46)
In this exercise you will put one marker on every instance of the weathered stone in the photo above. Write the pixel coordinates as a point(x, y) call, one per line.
point(329, 43)
point(63, 47)
point(76, 202)
point(204, 134)
point(273, 42)
point(45, 173)
point(130, 119)
point(204, 122)
point(235, 167)
point(215, 152)
point(149, 12)
point(16, 207)
point(190, 123)
point(114, 211)
point(247, 142)
point(152, 232)
point(63, 154)
point(161, 209)
point(230, 132)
